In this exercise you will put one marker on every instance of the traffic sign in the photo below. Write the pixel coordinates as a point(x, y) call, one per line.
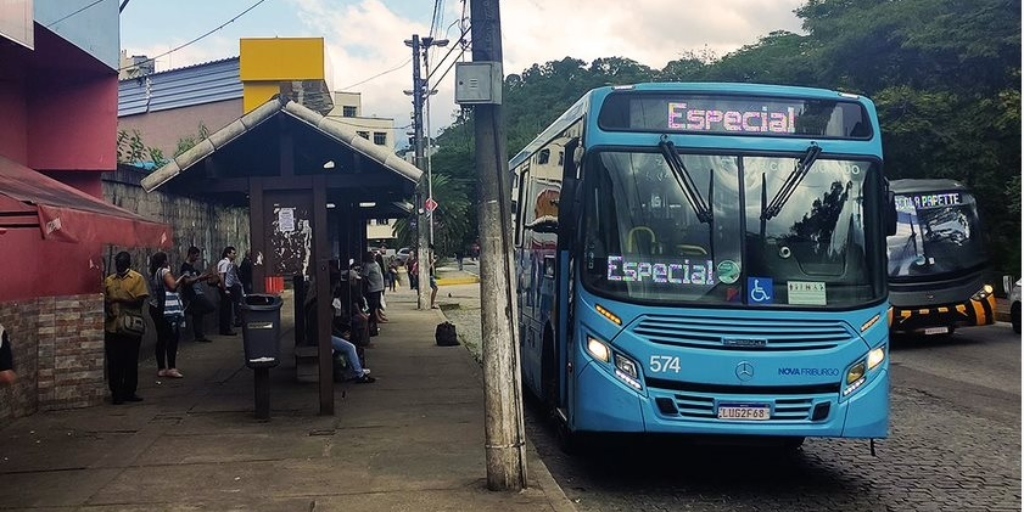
point(431, 205)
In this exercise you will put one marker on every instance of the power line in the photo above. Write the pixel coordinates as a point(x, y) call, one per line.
point(172, 50)
point(378, 75)
point(462, 38)
point(74, 13)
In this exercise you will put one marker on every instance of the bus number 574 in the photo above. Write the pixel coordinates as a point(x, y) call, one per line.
point(664, 364)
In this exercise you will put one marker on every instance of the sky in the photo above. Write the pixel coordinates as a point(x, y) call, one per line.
point(365, 38)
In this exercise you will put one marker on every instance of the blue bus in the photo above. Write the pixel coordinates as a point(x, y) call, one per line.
point(938, 264)
point(706, 259)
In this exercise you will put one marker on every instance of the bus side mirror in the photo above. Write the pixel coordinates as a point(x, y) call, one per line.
point(890, 215)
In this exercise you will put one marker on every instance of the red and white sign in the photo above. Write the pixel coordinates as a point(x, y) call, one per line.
point(431, 205)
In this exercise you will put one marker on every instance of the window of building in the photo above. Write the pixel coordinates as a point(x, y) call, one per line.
point(365, 135)
point(348, 112)
point(380, 138)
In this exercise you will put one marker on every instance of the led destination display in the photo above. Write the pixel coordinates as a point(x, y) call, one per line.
point(735, 115)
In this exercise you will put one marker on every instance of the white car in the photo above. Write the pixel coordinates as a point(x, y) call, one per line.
point(403, 255)
point(1015, 307)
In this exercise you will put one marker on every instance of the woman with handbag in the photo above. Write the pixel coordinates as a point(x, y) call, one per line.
point(166, 310)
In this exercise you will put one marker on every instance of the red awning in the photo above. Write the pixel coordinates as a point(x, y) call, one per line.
point(66, 214)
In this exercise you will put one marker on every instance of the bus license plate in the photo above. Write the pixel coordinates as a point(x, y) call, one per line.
point(744, 412)
point(936, 330)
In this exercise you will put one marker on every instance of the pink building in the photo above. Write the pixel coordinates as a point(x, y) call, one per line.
point(58, 96)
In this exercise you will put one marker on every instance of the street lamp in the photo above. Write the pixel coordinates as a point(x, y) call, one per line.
point(426, 43)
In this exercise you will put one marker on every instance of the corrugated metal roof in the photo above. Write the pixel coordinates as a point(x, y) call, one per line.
point(210, 82)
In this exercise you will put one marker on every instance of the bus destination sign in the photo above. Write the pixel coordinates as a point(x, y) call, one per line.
point(683, 116)
point(735, 115)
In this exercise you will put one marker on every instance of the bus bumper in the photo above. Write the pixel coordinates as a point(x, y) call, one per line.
point(613, 407)
point(930, 319)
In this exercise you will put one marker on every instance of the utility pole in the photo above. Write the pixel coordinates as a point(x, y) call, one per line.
point(422, 246)
point(503, 401)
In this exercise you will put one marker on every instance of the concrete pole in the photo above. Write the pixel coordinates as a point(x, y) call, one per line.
point(504, 430)
point(423, 292)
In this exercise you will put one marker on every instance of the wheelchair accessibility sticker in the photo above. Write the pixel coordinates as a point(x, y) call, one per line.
point(760, 290)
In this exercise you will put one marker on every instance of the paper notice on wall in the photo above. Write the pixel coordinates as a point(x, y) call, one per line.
point(286, 220)
point(809, 293)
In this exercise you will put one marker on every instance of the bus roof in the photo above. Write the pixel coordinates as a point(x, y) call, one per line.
point(583, 105)
point(740, 88)
point(925, 186)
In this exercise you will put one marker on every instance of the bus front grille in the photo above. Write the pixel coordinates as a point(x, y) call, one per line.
point(722, 333)
point(783, 409)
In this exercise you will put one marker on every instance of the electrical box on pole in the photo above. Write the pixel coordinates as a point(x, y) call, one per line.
point(478, 83)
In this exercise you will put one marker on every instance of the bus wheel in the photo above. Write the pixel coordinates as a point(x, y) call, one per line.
point(549, 371)
point(1015, 317)
point(568, 441)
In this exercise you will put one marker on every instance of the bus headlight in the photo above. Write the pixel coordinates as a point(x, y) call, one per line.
point(628, 371)
point(856, 376)
point(598, 349)
point(626, 365)
point(875, 357)
point(983, 293)
point(856, 373)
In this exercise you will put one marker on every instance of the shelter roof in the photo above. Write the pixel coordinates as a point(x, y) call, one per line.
point(251, 147)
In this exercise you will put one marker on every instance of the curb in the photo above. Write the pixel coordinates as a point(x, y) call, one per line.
point(458, 281)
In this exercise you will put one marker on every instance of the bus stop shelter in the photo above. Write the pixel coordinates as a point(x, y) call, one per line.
point(310, 184)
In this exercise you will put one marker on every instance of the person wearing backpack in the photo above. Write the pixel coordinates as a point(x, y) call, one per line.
point(166, 310)
point(197, 303)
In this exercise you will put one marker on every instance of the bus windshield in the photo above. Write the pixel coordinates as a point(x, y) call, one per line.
point(936, 233)
point(644, 243)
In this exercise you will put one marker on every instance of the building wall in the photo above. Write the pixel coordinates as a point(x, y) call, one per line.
point(367, 126)
point(73, 126)
point(13, 104)
point(163, 129)
point(58, 354)
point(266, 63)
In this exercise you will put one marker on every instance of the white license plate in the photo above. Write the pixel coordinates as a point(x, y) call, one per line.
point(744, 412)
point(936, 330)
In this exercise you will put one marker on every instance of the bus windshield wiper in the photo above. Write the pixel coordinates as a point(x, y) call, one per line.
point(682, 176)
point(792, 181)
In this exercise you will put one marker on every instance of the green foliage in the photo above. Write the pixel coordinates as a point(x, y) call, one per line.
point(189, 141)
point(944, 74)
point(132, 150)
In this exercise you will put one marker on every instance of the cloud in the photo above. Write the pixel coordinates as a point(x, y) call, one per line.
point(365, 38)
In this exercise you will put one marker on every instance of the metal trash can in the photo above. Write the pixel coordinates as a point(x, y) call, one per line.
point(261, 330)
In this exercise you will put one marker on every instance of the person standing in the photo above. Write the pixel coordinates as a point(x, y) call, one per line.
point(374, 279)
point(124, 293)
point(197, 303)
point(245, 273)
point(230, 290)
point(7, 375)
point(166, 311)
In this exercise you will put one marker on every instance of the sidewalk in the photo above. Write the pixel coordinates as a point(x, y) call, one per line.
point(414, 440)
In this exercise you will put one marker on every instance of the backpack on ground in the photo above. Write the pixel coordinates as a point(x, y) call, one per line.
point(445, 335)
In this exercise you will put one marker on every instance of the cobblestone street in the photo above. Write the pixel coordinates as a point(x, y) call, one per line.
point(954, 443)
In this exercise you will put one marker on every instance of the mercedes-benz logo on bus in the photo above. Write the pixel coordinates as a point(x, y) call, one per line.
point(744, 371)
